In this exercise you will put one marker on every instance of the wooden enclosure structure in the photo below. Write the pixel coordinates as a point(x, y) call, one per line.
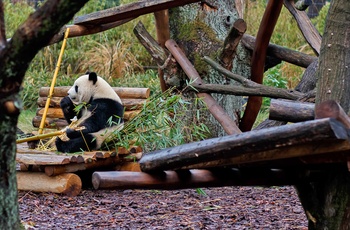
point(271, 156)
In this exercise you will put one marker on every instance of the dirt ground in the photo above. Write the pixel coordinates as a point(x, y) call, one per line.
point(220, 208)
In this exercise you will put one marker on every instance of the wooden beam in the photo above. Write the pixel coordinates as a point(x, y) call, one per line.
point(248, 142)
point(130, 10)
point(81, 30)
point(280, 52)
point(163, 34)
point(215, 109)
point(308, 153)
point(266, 28)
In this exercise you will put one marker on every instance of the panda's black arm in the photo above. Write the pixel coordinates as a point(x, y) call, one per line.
point(102, 111)
point(67, 107)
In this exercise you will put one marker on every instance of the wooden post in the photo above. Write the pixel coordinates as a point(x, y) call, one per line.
point(266, 28)
point(163, 34)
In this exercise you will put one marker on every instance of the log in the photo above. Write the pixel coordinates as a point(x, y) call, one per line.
point(271, 158)
point(332, 109)
point(68, 183)
point(42, 159)
point(283, 110)
point(54, 170)
point(266, 28)
point(248, 142)
point(215, 109)
point(310, 33)
point(128, 166)
point(280, 52)
point(123, 92)
point(195, 178)
point(130, 10)
point(53, 123)
point(55, 117)
point(51, 112)
point(128, 103)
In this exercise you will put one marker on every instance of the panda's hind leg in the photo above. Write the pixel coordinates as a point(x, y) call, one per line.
point(78, 144)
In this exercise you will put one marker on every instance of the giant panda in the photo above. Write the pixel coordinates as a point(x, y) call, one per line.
point(102, 112)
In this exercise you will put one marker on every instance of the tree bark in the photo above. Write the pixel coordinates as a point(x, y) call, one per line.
point(200, 31)
point(15, 56)
point(327, 203)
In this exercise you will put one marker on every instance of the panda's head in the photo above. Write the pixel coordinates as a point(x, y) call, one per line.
point(90, 86)
point(83, 88)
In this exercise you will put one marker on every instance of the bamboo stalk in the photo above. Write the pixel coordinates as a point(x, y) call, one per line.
point(39, 137)
point(41, 127)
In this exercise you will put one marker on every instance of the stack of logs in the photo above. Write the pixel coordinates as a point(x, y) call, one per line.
point(45, 171)
point(132, 99)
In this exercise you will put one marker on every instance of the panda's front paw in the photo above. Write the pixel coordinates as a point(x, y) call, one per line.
point(66, 104)
point(60, 145)
point(70, 133)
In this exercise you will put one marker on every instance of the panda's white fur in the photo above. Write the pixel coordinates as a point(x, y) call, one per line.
point(101, 105)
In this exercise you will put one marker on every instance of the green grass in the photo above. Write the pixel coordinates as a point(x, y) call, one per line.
point(25, 120)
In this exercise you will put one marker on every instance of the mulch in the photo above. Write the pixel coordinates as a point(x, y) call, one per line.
point(220, 208)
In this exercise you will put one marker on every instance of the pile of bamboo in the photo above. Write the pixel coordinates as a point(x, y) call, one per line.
point(132, 99)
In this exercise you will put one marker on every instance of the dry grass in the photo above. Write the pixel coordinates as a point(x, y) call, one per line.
point(111, 60)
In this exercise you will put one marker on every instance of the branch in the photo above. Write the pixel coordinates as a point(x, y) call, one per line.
point(310, 33)
point(280, 52)
point(231, 43)
point(260, 90)
point(250, 88)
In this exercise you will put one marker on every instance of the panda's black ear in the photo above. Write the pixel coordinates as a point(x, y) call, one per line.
point(93, 77)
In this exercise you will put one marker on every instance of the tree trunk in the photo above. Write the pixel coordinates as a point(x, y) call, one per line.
point(327, 203)
point(15, 56)
point(8, 193)
point(200, 30)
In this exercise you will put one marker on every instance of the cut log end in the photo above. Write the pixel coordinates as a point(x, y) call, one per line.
point(68, 183)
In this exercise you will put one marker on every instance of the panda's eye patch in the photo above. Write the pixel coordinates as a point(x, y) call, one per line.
point(76, 88)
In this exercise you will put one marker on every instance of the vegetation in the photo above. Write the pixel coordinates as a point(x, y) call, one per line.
point(117, 55)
